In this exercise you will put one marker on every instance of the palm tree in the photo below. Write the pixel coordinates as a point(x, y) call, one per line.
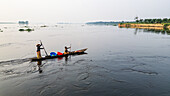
point(136, 18)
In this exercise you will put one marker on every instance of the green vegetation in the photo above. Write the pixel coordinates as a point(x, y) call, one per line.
point(29, 30)
point(44, 26)
point(21, 30)
point(152, 21)
point(166, 27)
point(1, 30)
point(165, 22)
point(128, 22)
point(26, 30)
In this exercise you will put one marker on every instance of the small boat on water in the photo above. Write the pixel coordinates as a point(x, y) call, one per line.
point(78, 52)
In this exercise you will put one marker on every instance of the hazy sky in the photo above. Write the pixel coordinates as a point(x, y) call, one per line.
point(81, 11)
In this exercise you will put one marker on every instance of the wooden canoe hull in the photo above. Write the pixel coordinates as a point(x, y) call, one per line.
point(78, 52)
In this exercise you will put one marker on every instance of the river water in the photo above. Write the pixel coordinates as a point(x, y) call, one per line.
point(120, 61)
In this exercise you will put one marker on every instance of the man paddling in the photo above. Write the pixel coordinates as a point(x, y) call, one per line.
point(38, 50)
point(66, 50)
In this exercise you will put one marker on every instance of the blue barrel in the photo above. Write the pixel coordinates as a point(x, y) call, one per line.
point(53, 54)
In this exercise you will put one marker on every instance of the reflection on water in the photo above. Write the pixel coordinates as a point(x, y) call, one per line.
point(39, 64)
point(66, 59)
point(156, 31)
point(163, 31)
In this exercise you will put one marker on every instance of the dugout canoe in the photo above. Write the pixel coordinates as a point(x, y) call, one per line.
point(78, 52)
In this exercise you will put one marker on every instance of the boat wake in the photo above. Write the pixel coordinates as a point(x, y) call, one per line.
point(14, 68)
point(15, 61)
point(6, 44)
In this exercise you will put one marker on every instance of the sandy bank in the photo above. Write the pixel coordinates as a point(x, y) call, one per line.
point(144, 26)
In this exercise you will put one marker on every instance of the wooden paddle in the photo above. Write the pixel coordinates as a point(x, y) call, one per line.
point(70, 47)
point(44, 48)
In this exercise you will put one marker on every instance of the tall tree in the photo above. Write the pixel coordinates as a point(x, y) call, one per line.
point(153, 21)
point(146, 20)
point(136, 18)
point(149, 20)
point(141, 20)
point(165, 20)
point(137, 21)
point(158, 20)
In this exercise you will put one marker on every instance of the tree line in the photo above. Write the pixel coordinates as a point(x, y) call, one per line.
point(153, 21)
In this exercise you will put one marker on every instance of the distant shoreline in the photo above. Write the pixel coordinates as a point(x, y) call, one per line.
point(8, 23)
point(103, 23)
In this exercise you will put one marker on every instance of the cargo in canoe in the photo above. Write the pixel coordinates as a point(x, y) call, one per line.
point(78, 52)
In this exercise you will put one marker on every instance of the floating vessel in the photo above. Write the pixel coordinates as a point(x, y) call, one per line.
point(78, 52)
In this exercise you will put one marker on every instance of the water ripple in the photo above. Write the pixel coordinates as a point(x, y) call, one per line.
point(141, 71)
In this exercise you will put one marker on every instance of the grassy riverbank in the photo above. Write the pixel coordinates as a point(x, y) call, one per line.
point(144, 25)
point(158, 24)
